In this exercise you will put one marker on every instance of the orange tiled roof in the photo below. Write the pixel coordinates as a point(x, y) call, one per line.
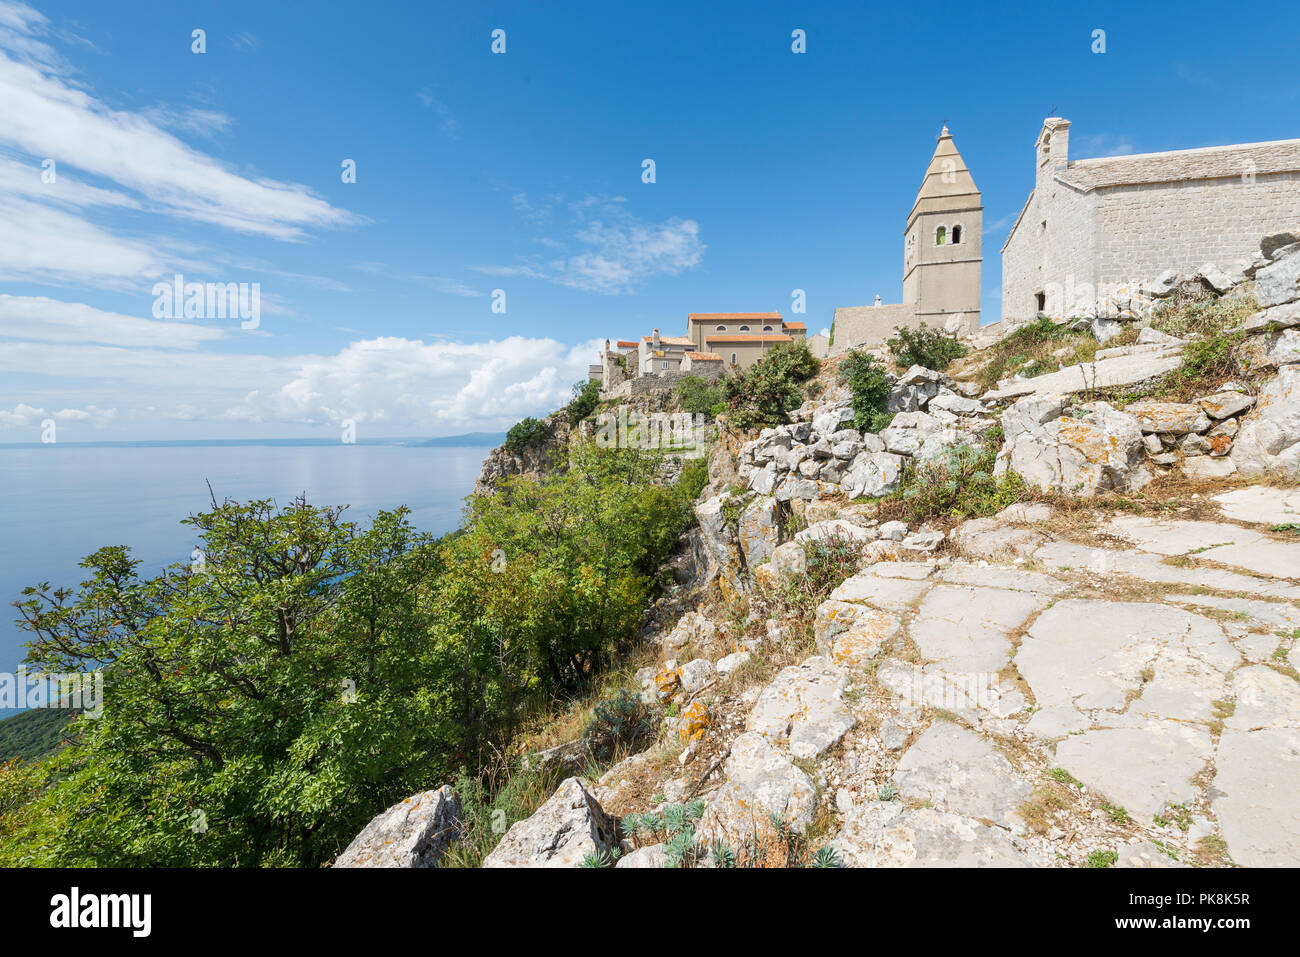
point(709, 316)
point(705, 356)
point(793, 325)
point(671, 340)
point(754, 337)
point(624, 344)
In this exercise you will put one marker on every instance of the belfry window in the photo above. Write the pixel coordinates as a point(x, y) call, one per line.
point(956, 235)
point(940, 236)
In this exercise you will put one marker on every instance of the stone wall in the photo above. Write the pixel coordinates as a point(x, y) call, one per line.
point(1040, 259)
point(858, 327)
point(1144, 230)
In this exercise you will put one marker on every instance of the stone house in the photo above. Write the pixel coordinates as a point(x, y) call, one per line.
point(1092, 228)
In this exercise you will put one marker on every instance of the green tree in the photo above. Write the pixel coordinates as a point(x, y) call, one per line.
point(767, 391)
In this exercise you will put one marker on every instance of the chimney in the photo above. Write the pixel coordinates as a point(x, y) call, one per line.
point(607, 345)
point(656, 339)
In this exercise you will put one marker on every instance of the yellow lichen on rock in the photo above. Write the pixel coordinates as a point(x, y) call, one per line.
point(695, 721)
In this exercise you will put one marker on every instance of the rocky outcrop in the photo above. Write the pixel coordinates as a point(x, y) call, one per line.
point(415, 832)
point(561, 833)
point(1099, 450)
point(546, 452)
point(1269, 440)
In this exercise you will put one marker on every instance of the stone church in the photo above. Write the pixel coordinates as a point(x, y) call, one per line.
point(1093, 227)
point(942, 260)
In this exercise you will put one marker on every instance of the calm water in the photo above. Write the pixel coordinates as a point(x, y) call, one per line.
point(61, 502)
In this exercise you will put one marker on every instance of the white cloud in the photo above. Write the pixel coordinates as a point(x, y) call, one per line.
point(49, 320)
point(401, 385)
point(26, 416)
point(609, 250)
point(434, 386)
point(45, 244)
point(46, 116)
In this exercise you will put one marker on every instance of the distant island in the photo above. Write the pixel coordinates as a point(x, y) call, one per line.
point(491, 439)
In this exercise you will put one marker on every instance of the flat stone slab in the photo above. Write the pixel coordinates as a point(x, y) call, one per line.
point(1139, 769)
point(1152, 568)
point(887, 834)
point(967, 629)
point(1002, 576)
point(1091, 654)
point(1218, 542)
point(1261, 504)
point(803, 708)
point(959, 771)
point(1120, 370)
point(991, 539)
point(888, 594)
point(1257, 796)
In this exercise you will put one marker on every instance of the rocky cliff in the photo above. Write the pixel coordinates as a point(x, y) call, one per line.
point(1098, 673)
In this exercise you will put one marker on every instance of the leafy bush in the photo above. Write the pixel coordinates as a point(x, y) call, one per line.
point(699, 396)
point(869, 383)
point(619, 722)
point(586, 396)
point(926, 347)
point(690, 483)
point(958, 485)
point(523, 433)
point(314, 672)
point(764, 394)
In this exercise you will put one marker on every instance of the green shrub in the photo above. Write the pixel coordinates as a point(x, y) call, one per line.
point(690, 483)
point(699, 396)
point(925, 347)
point(764, 394)
point(960, 484)
point(620, 721)
point(586, 396)
point(869, 383)
point(523, 433)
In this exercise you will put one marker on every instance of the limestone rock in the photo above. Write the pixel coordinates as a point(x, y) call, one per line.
point(652, 856)
point(1269, 439)
point(959, 771)
point(1169, 418)
point(560, 833)
point(412, 833)
point(872, 474)
point(760, 781)
point(888, 834)
point(1279, 282)
point(789, 561)
point(1101, 451)
point(804, 708)
point(758, 531)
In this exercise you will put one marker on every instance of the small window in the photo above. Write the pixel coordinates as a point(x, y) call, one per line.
point(744, 328)
point(940, 236)
point(665, 364)
point(720, 329)
point(767, 328)
point(733, 358)
point(956, 235)
point(1042, 301)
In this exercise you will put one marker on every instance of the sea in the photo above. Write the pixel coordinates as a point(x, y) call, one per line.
point(62, 501)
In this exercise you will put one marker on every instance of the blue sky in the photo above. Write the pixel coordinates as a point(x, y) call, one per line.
point(521, 172)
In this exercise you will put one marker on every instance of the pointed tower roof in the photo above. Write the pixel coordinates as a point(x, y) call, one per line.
point(948, 184)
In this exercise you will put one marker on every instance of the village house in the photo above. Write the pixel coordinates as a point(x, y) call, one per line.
point(1092, 227)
